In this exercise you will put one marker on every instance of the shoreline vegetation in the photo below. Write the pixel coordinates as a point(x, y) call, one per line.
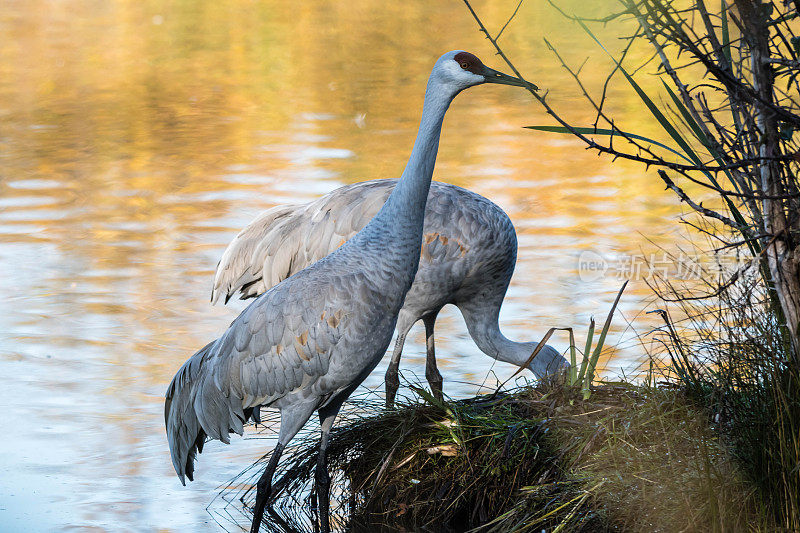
point(707, 440)
point(639, 458)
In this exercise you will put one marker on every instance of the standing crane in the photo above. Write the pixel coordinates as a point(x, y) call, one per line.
point(469, 251)
point(309, 341)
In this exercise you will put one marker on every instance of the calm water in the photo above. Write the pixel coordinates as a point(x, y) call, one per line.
point(137, 138)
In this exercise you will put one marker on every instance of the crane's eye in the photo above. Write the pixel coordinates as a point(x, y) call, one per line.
point(464, 65)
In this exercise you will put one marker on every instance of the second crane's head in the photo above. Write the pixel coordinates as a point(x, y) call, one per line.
point(458, 70)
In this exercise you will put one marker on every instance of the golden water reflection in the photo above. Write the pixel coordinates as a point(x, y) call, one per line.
point(136, 138)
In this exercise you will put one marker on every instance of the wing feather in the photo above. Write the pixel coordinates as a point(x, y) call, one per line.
point(220, 387)
point(283, 240)
point(236, 268)
point(296, 341)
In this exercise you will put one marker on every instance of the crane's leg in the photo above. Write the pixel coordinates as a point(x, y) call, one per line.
point(322, 479)
point(404, 323)
point(293, 417)
point(264, 487)
point(431, 372)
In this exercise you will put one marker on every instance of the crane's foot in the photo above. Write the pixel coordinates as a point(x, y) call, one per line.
point(389, 401)
point(323, 484)
point(324, 518)
point(258, 515)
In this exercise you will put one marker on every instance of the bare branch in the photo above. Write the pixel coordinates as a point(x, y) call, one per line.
point(514, 14)
point(699, 207)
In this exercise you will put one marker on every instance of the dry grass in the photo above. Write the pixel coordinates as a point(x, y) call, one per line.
point(662, 467)
point(629, 459)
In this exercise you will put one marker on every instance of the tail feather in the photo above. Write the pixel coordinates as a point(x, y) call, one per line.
point(196, 408)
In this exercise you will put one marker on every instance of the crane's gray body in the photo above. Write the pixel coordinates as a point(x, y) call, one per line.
point(469, 250)
point(309, 341)
point(301, 344)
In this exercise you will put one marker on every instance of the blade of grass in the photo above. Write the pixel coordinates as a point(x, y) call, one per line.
point(605, 131)
point(566, 522)
point(429, 398)
point(687, 117)
point(573, 368)
point(600, 341)
point(726, 36)
point(698, 133)
point(754, 246)
point(586, 351)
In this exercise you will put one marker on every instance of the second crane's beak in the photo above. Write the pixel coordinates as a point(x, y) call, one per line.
point(493, 76)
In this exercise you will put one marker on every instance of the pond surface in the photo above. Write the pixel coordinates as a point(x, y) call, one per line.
point(138, 137)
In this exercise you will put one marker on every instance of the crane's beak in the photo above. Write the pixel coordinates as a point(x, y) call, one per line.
point(493, 76)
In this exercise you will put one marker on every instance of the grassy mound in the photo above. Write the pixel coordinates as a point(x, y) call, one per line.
point(488, 461)
point(626, 459)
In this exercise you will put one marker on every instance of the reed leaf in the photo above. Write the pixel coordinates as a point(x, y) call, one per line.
point(726, 36)
point(754, 246)
point(573, 366)
point(606, 131)
point(600, 342)
point(586, 351)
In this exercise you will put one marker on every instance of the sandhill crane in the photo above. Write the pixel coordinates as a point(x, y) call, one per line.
point(309, 341)
point(469, 249)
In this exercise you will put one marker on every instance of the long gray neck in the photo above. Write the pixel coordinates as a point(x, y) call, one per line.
point(405, 208)
point(485, 331)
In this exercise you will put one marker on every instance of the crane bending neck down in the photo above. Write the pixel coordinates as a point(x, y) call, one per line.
point(484, 328)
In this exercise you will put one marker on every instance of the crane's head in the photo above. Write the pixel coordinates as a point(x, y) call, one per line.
point(460, 70)
point(548, 363)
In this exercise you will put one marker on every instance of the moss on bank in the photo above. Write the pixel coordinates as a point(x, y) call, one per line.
point(629, 458)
